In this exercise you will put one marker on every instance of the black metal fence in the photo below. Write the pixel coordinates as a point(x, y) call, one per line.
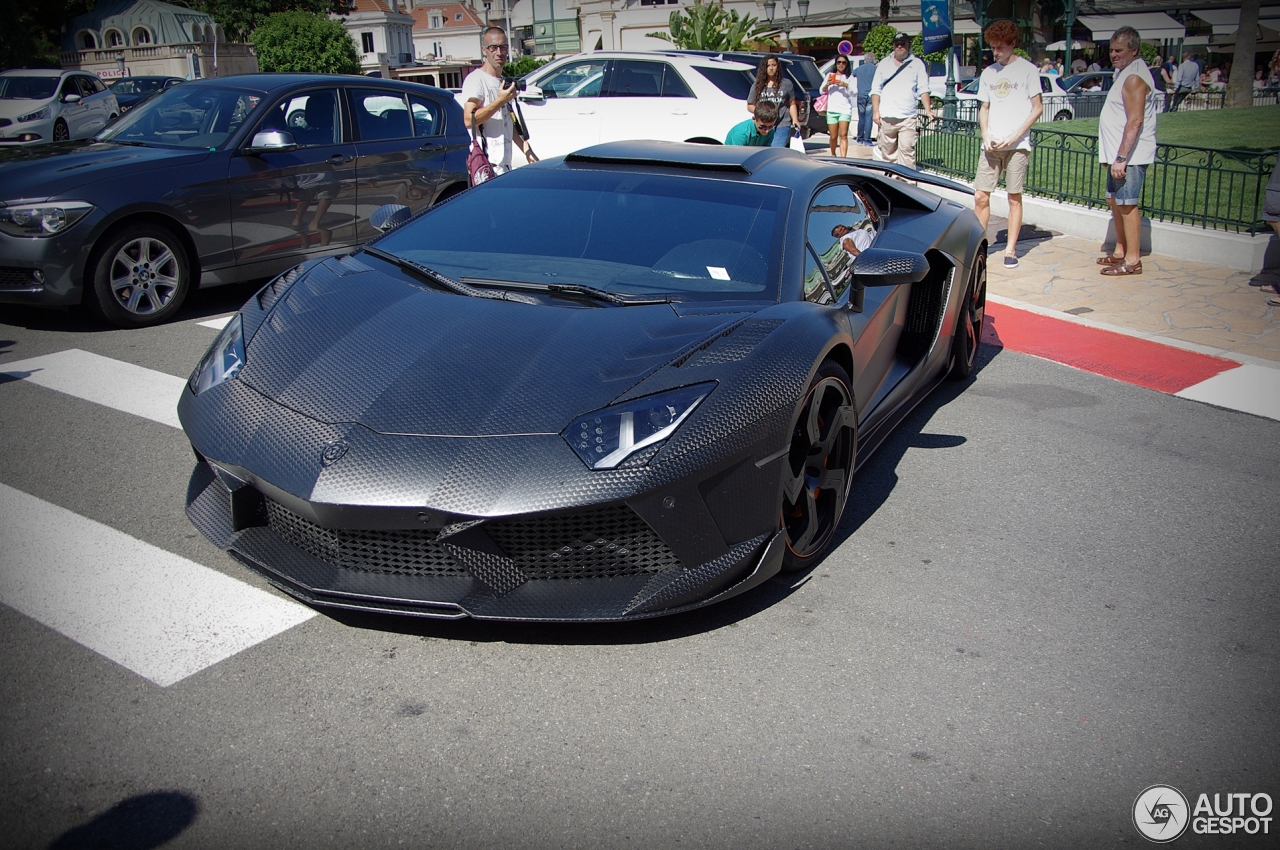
point(1210, 188)
point(1065, 107)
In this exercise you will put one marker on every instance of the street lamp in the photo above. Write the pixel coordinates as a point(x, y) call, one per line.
point(786, 26)
point(487, 5)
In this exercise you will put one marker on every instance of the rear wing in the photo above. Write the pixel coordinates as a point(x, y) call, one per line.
point(900, 171)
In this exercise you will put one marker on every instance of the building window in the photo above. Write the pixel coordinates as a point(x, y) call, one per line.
point(366, 42)
point(437, 21)
point(437, 49)
point(457, 16)
point(141, 35)
point(115, 38)
point(87, 41)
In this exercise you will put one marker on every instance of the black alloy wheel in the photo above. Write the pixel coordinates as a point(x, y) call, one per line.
point(139, 276)
point(1063, 115)
point(818, 469)
point(968, 335)
point(60, 131)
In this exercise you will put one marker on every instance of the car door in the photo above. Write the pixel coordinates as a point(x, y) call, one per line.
point(98, 101)
point(292, 203)
point(645, 100)
point(74, 114)
point(842, 222)
point(400, 151)
point(563, 115)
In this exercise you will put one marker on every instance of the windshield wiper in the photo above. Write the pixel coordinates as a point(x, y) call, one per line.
point(573, 289)
point(448, 282)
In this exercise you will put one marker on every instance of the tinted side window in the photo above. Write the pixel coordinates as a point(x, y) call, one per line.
point(577, 79)
point(672, 84)
point(736, 84)
point(816, 287)
point(381, 115)
point(428, 116)
point(69, 86)
point(98, 85)
point(1045, 85)
point(842, 224)
point(313, 118)
point(630, 78)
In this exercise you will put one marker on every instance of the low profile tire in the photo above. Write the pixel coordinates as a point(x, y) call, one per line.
point(138, 277)
point(1064, 115)
point(968, 335)
point(817, 471)
point(60, 131)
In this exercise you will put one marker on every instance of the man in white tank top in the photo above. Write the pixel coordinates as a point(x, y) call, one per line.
point(1127, 145)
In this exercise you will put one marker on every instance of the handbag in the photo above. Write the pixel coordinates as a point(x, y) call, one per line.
point(820, 105)
point(479, 168)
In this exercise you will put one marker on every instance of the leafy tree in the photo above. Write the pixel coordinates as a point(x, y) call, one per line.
point(879, 42)
point(707, 26)
point(239, 18)
point(1148, 53)
point(32, 34)
point(523, 65)
point(304, 42)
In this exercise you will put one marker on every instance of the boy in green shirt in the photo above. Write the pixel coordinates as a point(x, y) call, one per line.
point(756, 131)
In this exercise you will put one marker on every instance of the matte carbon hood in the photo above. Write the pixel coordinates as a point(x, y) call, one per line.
point(351, 344)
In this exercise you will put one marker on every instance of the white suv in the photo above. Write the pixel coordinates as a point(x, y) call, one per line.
point(609, 96)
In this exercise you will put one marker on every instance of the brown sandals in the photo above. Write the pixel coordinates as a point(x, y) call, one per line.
point(1123, 268)
point(1110, 260)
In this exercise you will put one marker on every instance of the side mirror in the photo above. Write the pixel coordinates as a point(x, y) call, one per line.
point(887, 267)
point(271, 141)
point(71, 98)
point(390, 216)
point(531, 92)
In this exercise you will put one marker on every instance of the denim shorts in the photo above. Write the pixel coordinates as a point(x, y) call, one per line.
point(1127, 193)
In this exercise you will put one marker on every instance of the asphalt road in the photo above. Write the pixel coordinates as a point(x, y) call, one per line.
point(1052, 591)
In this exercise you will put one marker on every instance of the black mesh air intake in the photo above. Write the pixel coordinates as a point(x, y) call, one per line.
point(604, 543)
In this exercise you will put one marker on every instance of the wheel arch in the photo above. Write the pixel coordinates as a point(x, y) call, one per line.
point(160, 219)
point(704, 140)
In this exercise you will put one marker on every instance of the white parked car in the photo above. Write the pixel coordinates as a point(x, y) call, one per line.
point(610, 96)
point(47, 105)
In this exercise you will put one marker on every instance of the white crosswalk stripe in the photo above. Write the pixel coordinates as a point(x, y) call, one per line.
point(1253, 389)
point(112, 383)
point(158, 614)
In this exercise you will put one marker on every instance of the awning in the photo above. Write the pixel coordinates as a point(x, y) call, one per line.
point(1267, 33)
point(1152, 26)
point(1227, 21)
point(1076, 44)
point(830, 31)
point(966, 27)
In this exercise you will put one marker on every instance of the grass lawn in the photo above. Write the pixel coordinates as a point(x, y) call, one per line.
point(1253, 128)
point(1209, 188)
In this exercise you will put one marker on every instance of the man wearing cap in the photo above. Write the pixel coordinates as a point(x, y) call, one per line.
point(900, 81)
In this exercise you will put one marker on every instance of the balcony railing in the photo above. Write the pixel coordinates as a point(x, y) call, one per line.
point(108, 55)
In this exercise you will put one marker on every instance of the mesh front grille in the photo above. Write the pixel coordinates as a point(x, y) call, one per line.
point(412, 553)
point(604, 543)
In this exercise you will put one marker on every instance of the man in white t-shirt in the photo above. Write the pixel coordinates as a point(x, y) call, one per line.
point(901, 79)
point(1009, 91)
point(488, 101)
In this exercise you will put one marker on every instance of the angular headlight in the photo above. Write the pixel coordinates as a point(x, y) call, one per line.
point(38, 115)
point(41, 219)
point(607, 437)
point(223, 359)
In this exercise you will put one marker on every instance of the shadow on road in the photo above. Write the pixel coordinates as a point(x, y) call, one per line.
point(135, 823)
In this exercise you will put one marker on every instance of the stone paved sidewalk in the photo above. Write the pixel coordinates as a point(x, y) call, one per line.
point(1172, 299)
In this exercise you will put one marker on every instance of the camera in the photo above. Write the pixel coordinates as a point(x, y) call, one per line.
point(518, 82)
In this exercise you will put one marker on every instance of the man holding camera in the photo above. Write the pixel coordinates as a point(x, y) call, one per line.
point(488, 101)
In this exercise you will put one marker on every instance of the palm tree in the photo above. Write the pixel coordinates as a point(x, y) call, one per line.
point(884, 12)
point(1240, 83)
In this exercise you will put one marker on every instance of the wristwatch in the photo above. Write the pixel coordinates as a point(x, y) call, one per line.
point(1120, 159)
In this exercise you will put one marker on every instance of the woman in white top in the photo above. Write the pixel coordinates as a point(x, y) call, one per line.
point(839, 94)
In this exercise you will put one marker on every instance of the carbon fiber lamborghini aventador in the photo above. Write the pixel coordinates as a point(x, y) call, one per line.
point(624, 383)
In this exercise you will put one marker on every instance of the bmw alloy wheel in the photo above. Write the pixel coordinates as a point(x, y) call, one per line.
point(144, 275)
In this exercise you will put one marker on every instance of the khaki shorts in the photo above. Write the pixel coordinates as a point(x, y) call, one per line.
point(1012, 163)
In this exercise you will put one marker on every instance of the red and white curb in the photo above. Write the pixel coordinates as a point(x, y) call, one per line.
point(1125, 356)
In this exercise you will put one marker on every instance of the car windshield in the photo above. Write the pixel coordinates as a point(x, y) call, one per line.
point(184, 116)
point(27, 88)
point(627, 233)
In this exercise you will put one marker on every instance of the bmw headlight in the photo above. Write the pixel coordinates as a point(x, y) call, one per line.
point(38, 115)
point(606, 438)
point(223, 359)
point(41, 219)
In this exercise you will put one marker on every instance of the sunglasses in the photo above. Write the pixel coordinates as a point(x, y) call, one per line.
point(492, 48)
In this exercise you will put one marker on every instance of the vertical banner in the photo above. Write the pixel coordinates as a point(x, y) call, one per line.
point(935, 25)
